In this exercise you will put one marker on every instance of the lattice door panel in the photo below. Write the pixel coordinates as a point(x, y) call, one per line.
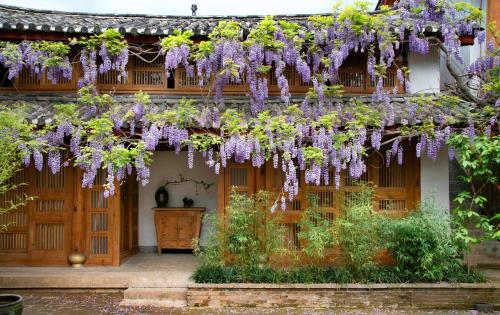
point(99, 221)
point(238, 178)
point(396, 185)
point(15, 238)
point(51, 212)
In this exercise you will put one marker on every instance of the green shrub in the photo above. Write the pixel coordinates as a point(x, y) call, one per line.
point(316, 232)
point(312, 274)
point(422, 244)
point(357, 230)
point(13, 129)
point(248, 236)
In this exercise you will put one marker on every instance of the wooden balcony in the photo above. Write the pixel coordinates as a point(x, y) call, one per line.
point(149, 75)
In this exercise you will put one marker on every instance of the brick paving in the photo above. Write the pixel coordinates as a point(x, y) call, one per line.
point(41, 302)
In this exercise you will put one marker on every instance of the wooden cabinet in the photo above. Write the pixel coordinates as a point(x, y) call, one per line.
point(177, 227)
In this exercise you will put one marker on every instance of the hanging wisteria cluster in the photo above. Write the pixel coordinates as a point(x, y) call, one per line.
point(327, 131)
point(38, 57)
point(112, 50)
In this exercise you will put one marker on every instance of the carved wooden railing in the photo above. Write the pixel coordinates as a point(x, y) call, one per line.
point(151, 76)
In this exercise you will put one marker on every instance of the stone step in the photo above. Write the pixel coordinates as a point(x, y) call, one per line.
point(162, 297)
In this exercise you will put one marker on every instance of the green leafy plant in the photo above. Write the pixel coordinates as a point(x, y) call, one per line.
point(358, 229)
point(479, 158)
point(316, 231)
point(248, 237)
point(423, 244)
point(13, 134)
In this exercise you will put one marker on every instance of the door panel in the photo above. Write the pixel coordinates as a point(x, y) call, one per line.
point(99, 222)
point(51, 213)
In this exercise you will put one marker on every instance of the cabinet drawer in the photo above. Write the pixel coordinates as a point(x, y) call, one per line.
point(185, 243)
point(169, 244)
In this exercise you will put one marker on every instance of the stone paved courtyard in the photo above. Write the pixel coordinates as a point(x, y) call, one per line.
point(93, 303)
point(142, 270)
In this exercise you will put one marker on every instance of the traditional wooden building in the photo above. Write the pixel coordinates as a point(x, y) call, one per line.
point(66, 218)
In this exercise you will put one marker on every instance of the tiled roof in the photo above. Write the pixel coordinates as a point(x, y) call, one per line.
point(24, 19)
point(40, 105)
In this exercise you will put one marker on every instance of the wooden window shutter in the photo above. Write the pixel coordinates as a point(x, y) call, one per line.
point(239, 178)
point(397, 186)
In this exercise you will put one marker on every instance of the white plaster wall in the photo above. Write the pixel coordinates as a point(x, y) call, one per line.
point(434, 178)
point(167, 166)
point(424, 72)
point(469, 53)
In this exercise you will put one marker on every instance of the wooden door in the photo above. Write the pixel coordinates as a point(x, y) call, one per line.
point(51, 213)
point(100, 223)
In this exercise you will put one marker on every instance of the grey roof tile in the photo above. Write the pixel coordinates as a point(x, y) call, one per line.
point(12, 17)
point(40, 105)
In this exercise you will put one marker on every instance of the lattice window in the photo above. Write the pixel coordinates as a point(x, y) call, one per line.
point(392, 176)
point(392, 204)
point(13, 241)
point(186, 81)
point(99, 245)
point(45, 178)
point(292, 241)
point(99, 221)
point(49, 236)
point(149, 71)
point(352, 72)
point(49, 205)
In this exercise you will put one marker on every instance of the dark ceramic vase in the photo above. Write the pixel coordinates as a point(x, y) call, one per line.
point(11, 304)
point(161, 197)
point(188, 202)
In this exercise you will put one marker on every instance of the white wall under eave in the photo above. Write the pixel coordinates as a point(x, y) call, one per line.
point(167, 166)
point(434, 178)
point(424, 72)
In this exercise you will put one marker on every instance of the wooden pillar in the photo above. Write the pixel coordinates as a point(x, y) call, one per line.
point(78, 226)
point(115, 233)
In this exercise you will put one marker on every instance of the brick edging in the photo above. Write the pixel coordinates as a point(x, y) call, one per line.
point(390, 295)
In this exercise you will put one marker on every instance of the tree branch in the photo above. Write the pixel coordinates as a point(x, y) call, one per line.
point(461, 83)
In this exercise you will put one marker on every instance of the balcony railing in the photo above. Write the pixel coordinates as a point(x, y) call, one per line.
point(148, 74)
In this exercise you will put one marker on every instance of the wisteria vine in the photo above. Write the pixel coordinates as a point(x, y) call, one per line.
point(326, 131)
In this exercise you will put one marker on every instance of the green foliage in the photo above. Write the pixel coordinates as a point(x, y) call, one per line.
point(14, 133)
point(114, 41)
point(177, 39)
point(226, 30)
point(311, 274)
point(479, 158)
point(313, 154)
point(423, 244)
point(202, 142)
point(249, 235)
point(358, 229)
point(184, 116)
point(473, 14)
point(263, 34)
point(316, 232)
point(358, 17)
point(203, 49)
